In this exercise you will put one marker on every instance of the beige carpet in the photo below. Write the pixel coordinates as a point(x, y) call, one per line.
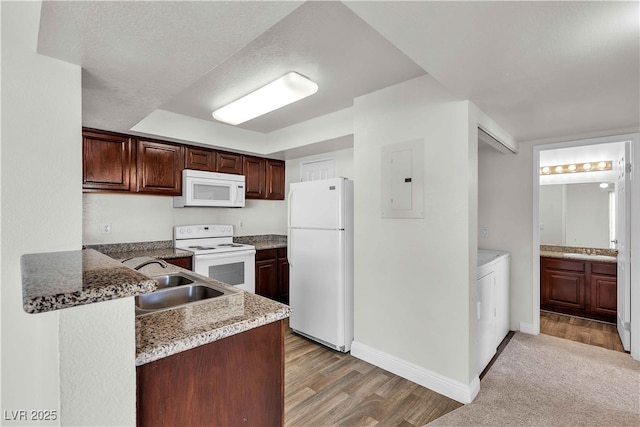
point(547, 381)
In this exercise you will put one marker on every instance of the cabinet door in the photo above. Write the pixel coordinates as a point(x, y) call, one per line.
point(604, 294)
point(159, 168)
point(106, 162)
point(275, 179)
point(267, 278)
point(563, 289)
point(234, 381)
point(200, 159)
point(229, 163)
point(283, 276)
point(254, 172)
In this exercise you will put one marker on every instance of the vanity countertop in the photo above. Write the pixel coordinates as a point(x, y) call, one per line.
point(579, 253)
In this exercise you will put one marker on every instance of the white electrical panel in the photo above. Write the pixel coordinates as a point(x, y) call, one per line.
point(402, 180)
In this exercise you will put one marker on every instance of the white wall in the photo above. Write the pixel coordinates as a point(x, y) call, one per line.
point(412, 276)
point(343, 160)
point(41, 206)
point(505, 208)
point(505, 194)
point(136, 218)
point(48, 359)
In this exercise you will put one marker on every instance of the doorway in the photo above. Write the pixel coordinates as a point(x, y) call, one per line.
point(567, 157)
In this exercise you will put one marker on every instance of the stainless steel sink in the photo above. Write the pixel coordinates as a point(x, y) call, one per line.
point(175, 290)
point(171, 280)
point(176, 296)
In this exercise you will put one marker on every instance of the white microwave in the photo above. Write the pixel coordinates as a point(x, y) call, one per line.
point(210, 189)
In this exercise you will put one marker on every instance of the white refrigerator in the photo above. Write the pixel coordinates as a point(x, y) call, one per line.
point(320, 255)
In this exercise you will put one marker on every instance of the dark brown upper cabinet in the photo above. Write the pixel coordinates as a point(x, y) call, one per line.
point(159, 168)
point(200, 159)
point(274, 179)
point(229, 163)
point(107, 161)
point(254, 172)
point(122, 163)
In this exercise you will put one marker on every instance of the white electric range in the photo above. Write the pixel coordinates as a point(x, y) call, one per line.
point(216, 255)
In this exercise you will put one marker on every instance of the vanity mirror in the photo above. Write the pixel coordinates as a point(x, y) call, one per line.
point(577, 214)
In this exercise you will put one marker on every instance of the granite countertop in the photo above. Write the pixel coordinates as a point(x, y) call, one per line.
point(161, 249)
point(57, 280)
point(263, 241)
point(579, 253)
point(165, 333)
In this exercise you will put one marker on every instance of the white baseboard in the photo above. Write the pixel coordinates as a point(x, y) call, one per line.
point(529, 328)
point(463, 393)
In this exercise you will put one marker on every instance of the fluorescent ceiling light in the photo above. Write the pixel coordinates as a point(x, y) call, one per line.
point(287, 89)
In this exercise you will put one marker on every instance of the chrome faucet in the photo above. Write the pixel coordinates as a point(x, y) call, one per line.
point(147, 262)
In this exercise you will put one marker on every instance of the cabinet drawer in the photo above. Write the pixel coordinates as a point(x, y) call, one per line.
point(607, 268)
point(266, 254)
point(563, 264)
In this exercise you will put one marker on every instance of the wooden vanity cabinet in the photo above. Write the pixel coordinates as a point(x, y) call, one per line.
point(604, 289)
point(580, 288)
point(236, 381)
point(107, 162)
point(159, 168)
point(272, 274)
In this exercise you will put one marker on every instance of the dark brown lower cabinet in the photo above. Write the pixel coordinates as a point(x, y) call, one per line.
point(236, 381)
point(580, 288)
point(184, 262)
point(272, 274)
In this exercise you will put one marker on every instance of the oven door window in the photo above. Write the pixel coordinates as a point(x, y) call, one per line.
point(232, 274)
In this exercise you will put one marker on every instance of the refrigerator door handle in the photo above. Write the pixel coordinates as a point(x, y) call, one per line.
point(289, 240)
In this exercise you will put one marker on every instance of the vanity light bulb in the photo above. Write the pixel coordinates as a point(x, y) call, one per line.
point(572, 168)
point(602, 165)
point(546, 169)
point(558, 169)
point(586, 166)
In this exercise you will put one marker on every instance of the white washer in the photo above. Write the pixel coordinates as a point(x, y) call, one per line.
point(493, 303)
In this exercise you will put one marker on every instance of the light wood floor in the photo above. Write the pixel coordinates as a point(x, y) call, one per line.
point(324, 387)
point(581, 330)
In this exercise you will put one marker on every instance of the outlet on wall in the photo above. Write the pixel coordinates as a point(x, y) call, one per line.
point(106, 228)
point(484, 232)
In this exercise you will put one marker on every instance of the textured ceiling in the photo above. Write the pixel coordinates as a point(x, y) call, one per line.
point(539, 69)
point(323, 41)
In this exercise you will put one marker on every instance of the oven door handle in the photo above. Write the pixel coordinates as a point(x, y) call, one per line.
point(237, 254)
